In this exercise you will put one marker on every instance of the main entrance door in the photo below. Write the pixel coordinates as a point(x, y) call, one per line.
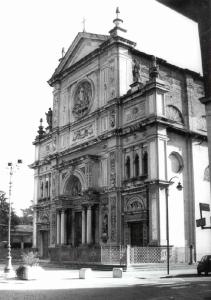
point(44, 250)
point(78, 228)
point(136, 233)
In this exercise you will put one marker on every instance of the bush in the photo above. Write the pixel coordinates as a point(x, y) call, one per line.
point(30, 259)
point(20, 271)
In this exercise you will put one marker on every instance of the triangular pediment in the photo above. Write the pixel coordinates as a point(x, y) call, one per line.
point(83, 44)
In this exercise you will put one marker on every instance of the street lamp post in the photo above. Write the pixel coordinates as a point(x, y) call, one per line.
point(8, 270)
point(179, 187)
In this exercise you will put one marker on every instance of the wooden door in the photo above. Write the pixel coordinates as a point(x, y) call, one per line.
point(78, 228)
point(136, 234)
point(45, 244)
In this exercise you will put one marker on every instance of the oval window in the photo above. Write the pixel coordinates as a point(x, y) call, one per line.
point(177, 164)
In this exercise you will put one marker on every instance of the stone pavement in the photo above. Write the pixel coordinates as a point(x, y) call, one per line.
point(60, 278)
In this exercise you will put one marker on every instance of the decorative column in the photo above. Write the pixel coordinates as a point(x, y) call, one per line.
point(63, 227)
point(89, 225)
point(83, 226)
point(73, 228)
point(69, 226)
point(97, 225)
point(35, 229)
point(58, 227)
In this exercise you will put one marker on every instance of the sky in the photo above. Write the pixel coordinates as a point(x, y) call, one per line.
point(33, 33)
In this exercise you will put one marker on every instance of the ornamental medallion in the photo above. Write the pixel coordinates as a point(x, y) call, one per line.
point(82, 99)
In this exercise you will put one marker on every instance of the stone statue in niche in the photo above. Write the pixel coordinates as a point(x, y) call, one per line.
point(49, 116)
point(112, 169)
point(112, 119)
point(136, 70)
point(105, 228)
point(54, 143)
point(74, 187)
point(82, 99)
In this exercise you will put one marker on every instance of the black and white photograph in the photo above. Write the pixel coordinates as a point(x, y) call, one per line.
point(105, 126)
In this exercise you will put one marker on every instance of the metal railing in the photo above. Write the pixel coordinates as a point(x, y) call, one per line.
point(119, 255)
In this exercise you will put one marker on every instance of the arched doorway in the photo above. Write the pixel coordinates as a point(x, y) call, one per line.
point(73, 189)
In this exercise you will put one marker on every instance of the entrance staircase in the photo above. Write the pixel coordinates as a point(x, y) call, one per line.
point(78, 265)
point(109, 267)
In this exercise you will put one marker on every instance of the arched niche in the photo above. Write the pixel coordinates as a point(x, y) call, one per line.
point(67, 176)
point(207, 174)
point(135, 204)
point(73, 186)
point(174, 114)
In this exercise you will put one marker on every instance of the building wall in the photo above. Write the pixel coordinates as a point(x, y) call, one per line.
point(160, 117)
point(202, 195)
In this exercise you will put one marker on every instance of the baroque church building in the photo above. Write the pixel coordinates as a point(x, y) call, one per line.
point(125, 130)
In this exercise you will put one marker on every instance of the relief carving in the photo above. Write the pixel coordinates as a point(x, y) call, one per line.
point(55, 178)
point(112, 92)
point(53, 227)
point(83, 133)
point(54, 144)
point(43, 216)
point(89, 174)
point(112, 169)
point(111, 79)
point(63, 175)
point(82, 99)
point(135, 203)
point(82, 169)
point(134, 112)
point(174, 114)
point(113, 219)
point(104, 213)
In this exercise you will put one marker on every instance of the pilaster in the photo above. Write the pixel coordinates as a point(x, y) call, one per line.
point(89, 225)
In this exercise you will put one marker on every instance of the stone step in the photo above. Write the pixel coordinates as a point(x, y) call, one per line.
point(77, 266)
point(163, 266)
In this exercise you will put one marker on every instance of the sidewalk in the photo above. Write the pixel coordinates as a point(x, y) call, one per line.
point(60, 278)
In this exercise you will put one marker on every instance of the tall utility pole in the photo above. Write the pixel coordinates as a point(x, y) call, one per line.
point(8, 268)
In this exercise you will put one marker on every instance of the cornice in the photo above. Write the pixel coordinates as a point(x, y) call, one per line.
point(163, 62)
point(139, 126)
point(115, 102)
point(118, 41)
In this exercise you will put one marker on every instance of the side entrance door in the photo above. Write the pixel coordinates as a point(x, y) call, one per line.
point(136, 233)
point(45, 244)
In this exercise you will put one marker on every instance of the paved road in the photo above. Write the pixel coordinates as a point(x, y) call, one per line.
point(65, 284)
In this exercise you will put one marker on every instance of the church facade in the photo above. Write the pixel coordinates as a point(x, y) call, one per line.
point(125, 128)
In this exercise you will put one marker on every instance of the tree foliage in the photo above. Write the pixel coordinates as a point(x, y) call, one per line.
point(27, 216)
point(4, 217)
